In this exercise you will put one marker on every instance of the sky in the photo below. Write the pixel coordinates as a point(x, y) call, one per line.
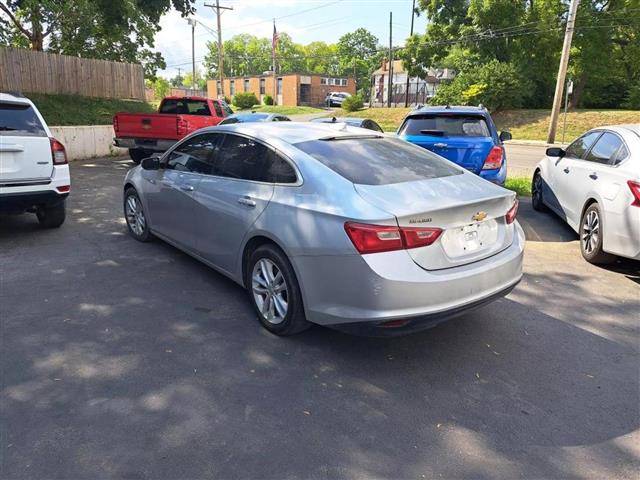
point(305, 20)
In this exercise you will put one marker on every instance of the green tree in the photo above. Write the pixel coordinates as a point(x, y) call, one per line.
point(201, 81)
point(358, 54)
point(177, 81)
point(321, 58)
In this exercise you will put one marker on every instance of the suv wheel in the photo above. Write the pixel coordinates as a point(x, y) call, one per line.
point(52, 216)
point(135, 216)
point(591, 236)
point(274, 291)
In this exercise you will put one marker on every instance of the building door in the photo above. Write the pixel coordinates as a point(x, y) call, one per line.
point(305, 94)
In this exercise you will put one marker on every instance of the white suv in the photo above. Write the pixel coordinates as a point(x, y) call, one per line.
point(34, 173)
point(335, 99)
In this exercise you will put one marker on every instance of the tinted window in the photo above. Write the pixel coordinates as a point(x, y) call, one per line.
point(605, 148)
point(19, 120)
point(371, 125)
point(195, 155)
point(246, 159)
point(185, 107)
point(622, 155)
point(445, 126)
point(378, 161)
point(217, 108)
point(578, 148)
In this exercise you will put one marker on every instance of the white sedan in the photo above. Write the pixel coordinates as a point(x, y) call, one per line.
point(594, 185)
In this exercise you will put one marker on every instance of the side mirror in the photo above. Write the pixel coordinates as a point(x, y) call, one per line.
point(504, 136)
point(555, 152)
point(151, 163)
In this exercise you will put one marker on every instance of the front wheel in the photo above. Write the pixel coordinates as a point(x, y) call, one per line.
point(591, 234)
point(274, 291)
point(537, 201)
point(134, 214)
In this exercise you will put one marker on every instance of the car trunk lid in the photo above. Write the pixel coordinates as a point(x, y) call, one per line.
point(470, 212)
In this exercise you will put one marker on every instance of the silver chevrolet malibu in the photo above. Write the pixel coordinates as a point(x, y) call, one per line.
point(331, 224)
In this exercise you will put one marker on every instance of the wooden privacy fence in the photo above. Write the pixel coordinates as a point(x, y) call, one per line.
point(23, 70)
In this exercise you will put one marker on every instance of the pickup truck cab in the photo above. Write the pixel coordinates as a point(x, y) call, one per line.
point(177, 117)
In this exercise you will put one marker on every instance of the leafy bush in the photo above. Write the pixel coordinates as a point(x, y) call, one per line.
point(496, 85)
point(245, 100)
point(632, 101)
point(352, 103)
point(160, 86)
point(268, 100)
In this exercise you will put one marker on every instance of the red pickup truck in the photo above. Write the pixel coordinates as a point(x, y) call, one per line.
point(144, 133)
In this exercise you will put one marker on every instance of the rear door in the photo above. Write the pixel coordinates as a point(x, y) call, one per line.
point(464, 139)
point(25, 149)
point(232, 197)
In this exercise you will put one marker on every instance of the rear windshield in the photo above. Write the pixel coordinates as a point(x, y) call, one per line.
point(185, 107)
point(445, 126)
point(378, 160)
point(20, 120)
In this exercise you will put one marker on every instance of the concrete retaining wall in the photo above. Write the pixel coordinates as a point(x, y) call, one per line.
point(87, 141)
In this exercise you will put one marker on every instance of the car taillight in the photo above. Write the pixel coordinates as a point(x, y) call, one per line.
point(64, 188)
point(58, 152)
point(635, 191)
point(494, 159)
point(383, 238)
point(182, 126)
point(116, 127)
point(511, 214)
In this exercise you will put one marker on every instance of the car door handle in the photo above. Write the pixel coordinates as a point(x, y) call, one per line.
point(186, 188)
point(566, 170)
point(593, 176)
point(247, 201)
point(440, 145)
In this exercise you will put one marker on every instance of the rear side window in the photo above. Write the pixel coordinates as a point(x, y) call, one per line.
point(377, 160)
point(445, 126)
point(20, 120)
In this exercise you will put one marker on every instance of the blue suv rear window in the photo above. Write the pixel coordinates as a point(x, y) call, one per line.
point(449, 125)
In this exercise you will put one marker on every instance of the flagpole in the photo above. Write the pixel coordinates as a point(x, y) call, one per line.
point(273, 62)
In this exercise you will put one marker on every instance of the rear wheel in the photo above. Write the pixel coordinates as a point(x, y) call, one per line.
point(591, 234)
point(134, 214)
point(137, 154)
point(51, 216)
point(274, 291)
point(536, 193)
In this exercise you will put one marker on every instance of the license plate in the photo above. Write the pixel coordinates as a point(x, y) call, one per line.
point(471, 238)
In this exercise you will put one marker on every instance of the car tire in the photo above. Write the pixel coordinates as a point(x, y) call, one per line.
point(137, 155)
point(274, 291)
point(52, 216)
point(591, 232)
point(537, 201)
point(135, 216)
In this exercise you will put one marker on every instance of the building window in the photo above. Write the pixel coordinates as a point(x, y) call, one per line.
point(324, 81)
point(218, 87)
point(279, 87)
point(344, 82)
point(246, 84)
point(263, 88)
point(232, 87)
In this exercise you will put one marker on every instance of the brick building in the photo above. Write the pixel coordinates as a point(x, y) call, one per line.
point(292, 89)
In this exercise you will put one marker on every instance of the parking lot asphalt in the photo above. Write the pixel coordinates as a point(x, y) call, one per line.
point(134, 361)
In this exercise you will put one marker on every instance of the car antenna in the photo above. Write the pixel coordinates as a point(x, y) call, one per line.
point(334, 119)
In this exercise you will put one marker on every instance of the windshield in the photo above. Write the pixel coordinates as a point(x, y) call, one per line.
point(378, 160)
point(445, 125)
point(19, 119)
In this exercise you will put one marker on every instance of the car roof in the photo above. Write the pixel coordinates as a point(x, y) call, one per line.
point(251, 115)
point(340, 120)
point(11, 97)
point(449, 109)
point(186, 97)
point(294, 132)
point(632, 127)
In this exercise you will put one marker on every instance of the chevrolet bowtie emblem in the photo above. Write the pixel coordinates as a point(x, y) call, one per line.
point(478, 217)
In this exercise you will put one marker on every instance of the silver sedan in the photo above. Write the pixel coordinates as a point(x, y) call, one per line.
point(331, 224)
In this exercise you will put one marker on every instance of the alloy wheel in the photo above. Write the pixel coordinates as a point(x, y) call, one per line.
point(537, 188)
point(590, 231)
point(135, 215)
point(270, 291)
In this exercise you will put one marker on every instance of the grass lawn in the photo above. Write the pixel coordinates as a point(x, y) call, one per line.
point(520, 185)
point(285, 110)
point(60, 110)
point(523, 124)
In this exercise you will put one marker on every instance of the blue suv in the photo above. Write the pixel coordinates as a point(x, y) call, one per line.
point(465, 135)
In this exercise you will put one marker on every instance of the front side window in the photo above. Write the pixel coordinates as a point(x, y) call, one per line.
point(578, 148)
point(605, 149)
point(195, 155)
point(445, 126)
point(18, 119)
point(378, 160)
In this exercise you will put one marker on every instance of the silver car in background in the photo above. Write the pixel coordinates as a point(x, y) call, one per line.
point(594, 185)
point(331, 224)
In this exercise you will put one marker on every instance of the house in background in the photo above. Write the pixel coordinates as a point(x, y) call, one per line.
point(421, 89)
point(292, 89)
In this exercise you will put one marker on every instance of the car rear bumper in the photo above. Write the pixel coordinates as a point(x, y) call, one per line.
point(153, 145)
point(23, 201)
point(377, 288)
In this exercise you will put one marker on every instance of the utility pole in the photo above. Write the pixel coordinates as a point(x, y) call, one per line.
point(406, 93)
point(218, 9)
point(390, 81)
point(192, 22)
point(562, 70)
